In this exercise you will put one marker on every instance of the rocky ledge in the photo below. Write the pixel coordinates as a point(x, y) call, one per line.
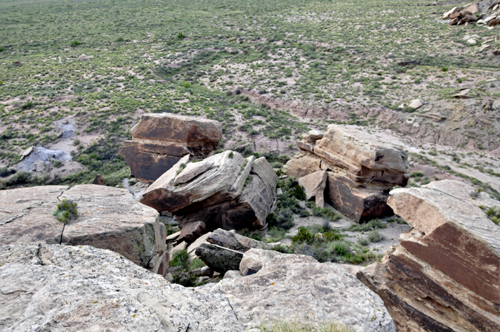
point(443, 275)
point(64, 288)
point(109, 218)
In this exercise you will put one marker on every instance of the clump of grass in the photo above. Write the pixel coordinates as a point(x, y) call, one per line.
point(375, 236)
point(66, 211)
point(369, 226)
point(494, 214)
point(181, 266)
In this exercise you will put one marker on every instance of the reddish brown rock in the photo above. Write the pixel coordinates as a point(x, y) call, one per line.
point(443, 276)
point(190, 232)
point(159, 141)
point(361, 169)
point(357, 202)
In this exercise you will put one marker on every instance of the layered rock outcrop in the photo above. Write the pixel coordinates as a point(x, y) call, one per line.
point(159, 141)
point(360, 169)
point(60, 288)
point(109, 218)
point(443, 275)
point(224, 191)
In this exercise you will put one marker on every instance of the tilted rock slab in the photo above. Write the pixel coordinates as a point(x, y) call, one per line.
point(110, 218)
point(225, 190)
point(444, 274)
point(298, 288)
point(361, 169)
point(159, 141)
point(63, 288)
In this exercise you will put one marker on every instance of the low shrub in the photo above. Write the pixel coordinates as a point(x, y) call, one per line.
point(66, 211)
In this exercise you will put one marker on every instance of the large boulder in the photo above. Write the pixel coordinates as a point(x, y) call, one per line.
point(109, 218)
point(225, 190)
point(299, 288)
point(159, 141)
point(63, 288)
point(223, 250)
point(443, 275)
point(361, 170)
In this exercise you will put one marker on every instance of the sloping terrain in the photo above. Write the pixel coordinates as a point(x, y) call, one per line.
point(76, 76)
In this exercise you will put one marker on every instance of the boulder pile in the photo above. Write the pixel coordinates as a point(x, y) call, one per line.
point(443, 275)
point(109, 218)
point(159, 141)
point(225, 191)
point(484, 12)
point(355, 169)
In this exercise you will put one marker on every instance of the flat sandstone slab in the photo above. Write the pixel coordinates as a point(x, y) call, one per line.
point(110, 218)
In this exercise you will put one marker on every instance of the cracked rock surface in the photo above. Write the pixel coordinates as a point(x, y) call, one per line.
point(63, 288)
point(110, 218)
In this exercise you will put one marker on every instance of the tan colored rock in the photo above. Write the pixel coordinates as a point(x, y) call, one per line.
point(451, 11)
point(192, 247)
point(361, 169)
point(355, 151)
point(254, 259)
point(233, 193)
point(302, 164)
point(314, 185)
point(473, 8)
point(110, 218)
point(443, 275)
point(192, 171)
point(159, 141)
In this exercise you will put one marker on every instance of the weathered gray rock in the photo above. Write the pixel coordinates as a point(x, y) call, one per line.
point(254, 259)
point(110, 218)
point(159, 141)
point(232, 193)
point(63, 288)
point(235, 241)
point(300, 288)
point(232, 274)
point(443, 275)
point(219, 258)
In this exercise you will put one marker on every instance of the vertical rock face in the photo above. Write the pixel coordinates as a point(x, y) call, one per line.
point(225, 190)
point(159, 141)
point(109, 218)
point(361, 169)
point(444, 274)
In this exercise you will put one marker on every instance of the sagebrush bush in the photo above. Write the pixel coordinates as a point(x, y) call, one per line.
point(375, 236)
point(66, 211)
